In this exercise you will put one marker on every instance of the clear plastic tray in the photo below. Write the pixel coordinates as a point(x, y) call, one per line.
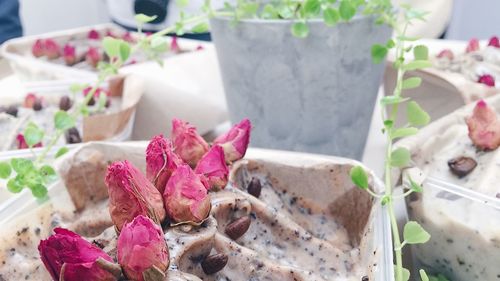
point(465, 231)
point(11, 210)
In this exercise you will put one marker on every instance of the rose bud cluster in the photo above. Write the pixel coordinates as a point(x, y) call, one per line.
point(141, 247)
point(188, 144)
point(69, 257)
point(161, 161)
point(131, 195)
point(484, 127)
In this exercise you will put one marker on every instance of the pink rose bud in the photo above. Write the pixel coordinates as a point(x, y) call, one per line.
point(127, 37)
point(29, 100)
point(38, 49)
point(69, 257)
point(69, 54)
point(235, 141)
point(93, 56)
point(199, 48)
point(109, 33)
point(187, 143)
point(472, 46)
point(213, 166)
point(161, 161)
point(93, 35)
point(185, 196)
point(131, 194)
point(141, 246)
point(174, 45)
point(52, 49)
point(21, 142)
point(494, 42)
point(446, 53)
point(484, 128)
point(487, 79)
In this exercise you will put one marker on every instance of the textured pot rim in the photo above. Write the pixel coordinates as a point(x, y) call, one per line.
point(356, 18)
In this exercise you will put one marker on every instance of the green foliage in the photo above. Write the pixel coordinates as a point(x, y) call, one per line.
point(416, 115)
point(400, 157)
point(63, 121)
point(379, 52)
point(359, 177)
point(300, 29)
point(61, 152)
point(347, 10)
point(414, 233)
point(5, 170)
point(142, 18)
point(331, 16)
point(412, 82)
point(33, 134)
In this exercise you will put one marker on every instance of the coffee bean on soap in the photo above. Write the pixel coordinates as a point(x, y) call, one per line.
point(108, 102)
point(214, 263)
point(237, 228)
point(12, 110)
point(461, 166)
point(91, 101)
point(72, 136)
point(254, 187)
point(37, 106)
point(65, 103)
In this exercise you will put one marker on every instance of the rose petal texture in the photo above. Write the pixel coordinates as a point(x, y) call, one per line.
point(213, 166)
point(131, 195)
point(141, 245)
point(78, 255)
point(186, 198)
point(38, 49)
point(187, 143)
point(484, 128)
point(487, 80)
point(494, 42)
point(161, 161)
point(235, 141)
point(93, 35)
point(52, 49)
point(472, 46)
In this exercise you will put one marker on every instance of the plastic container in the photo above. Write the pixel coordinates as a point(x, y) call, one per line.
point(29, 68)
point(11, 211)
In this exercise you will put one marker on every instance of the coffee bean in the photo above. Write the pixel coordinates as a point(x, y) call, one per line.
point(65, 103)
point(72, 136)
point(214, 263)
point(108, 102)
point(365, 278)
point(12, 110)
point(254, 187)
point(37, 106)
point(462, 166)
point(91, 101)
point(237, 228)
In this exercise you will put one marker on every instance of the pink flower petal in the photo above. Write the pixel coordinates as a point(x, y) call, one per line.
point(235, 141)
point(187, 143)
point(213, 166)
point(484, 127)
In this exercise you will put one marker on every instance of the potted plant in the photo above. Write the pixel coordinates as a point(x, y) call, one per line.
point(302, 71)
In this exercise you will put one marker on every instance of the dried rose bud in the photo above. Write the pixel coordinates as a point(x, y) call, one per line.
point(93, 56)
point(127, 37)
point(187, 143)
point(109, 33)
point(185, 196)
point(29, 100)
point(494, 42)
point(21, 142)
point(174, 45)
point(446, 53)
point(52, 49)
point(69, 54)
point(131, 194)
point(161, 161)
point(69, 257)
point(199, 48)
point(213, 166)
point(141, 247)
point(484, 128)
point(38, 49)
point(235, 141)
point(487, 80)
point(93, 35)
point(472, 46)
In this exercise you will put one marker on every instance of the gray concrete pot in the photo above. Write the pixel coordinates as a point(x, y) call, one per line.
point(314, 95)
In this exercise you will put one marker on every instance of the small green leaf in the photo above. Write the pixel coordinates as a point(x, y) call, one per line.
point(423, 275)
point(417, 64)
point(21, 165)
point(421, 52)
point(33, 134)
point(415, 186)
point(142, 18)
point(200, 28)
point(39, 190)
point(390, 44)
point(48, 173)
point(331, 16)
point(312, 8)
point(269, 12)
point(300, 30)
point(346, 10)
point(388, 124)
point(76, 88)
point(406, 38)
point(286, 12)
point(392, 100)
point(182, 3)
point(159, 43)
point(385, 200)
point(359, 177)
point(124, 51)
point(61, 152)
point(63, 121)
point(5, 170)
point(412, 82)
point(413, 233)
point(14, 186)
point(400, 157)
point(111, 46)
point(404, 132)
point(416, 115)
point(406, 273)
point(378, 53)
